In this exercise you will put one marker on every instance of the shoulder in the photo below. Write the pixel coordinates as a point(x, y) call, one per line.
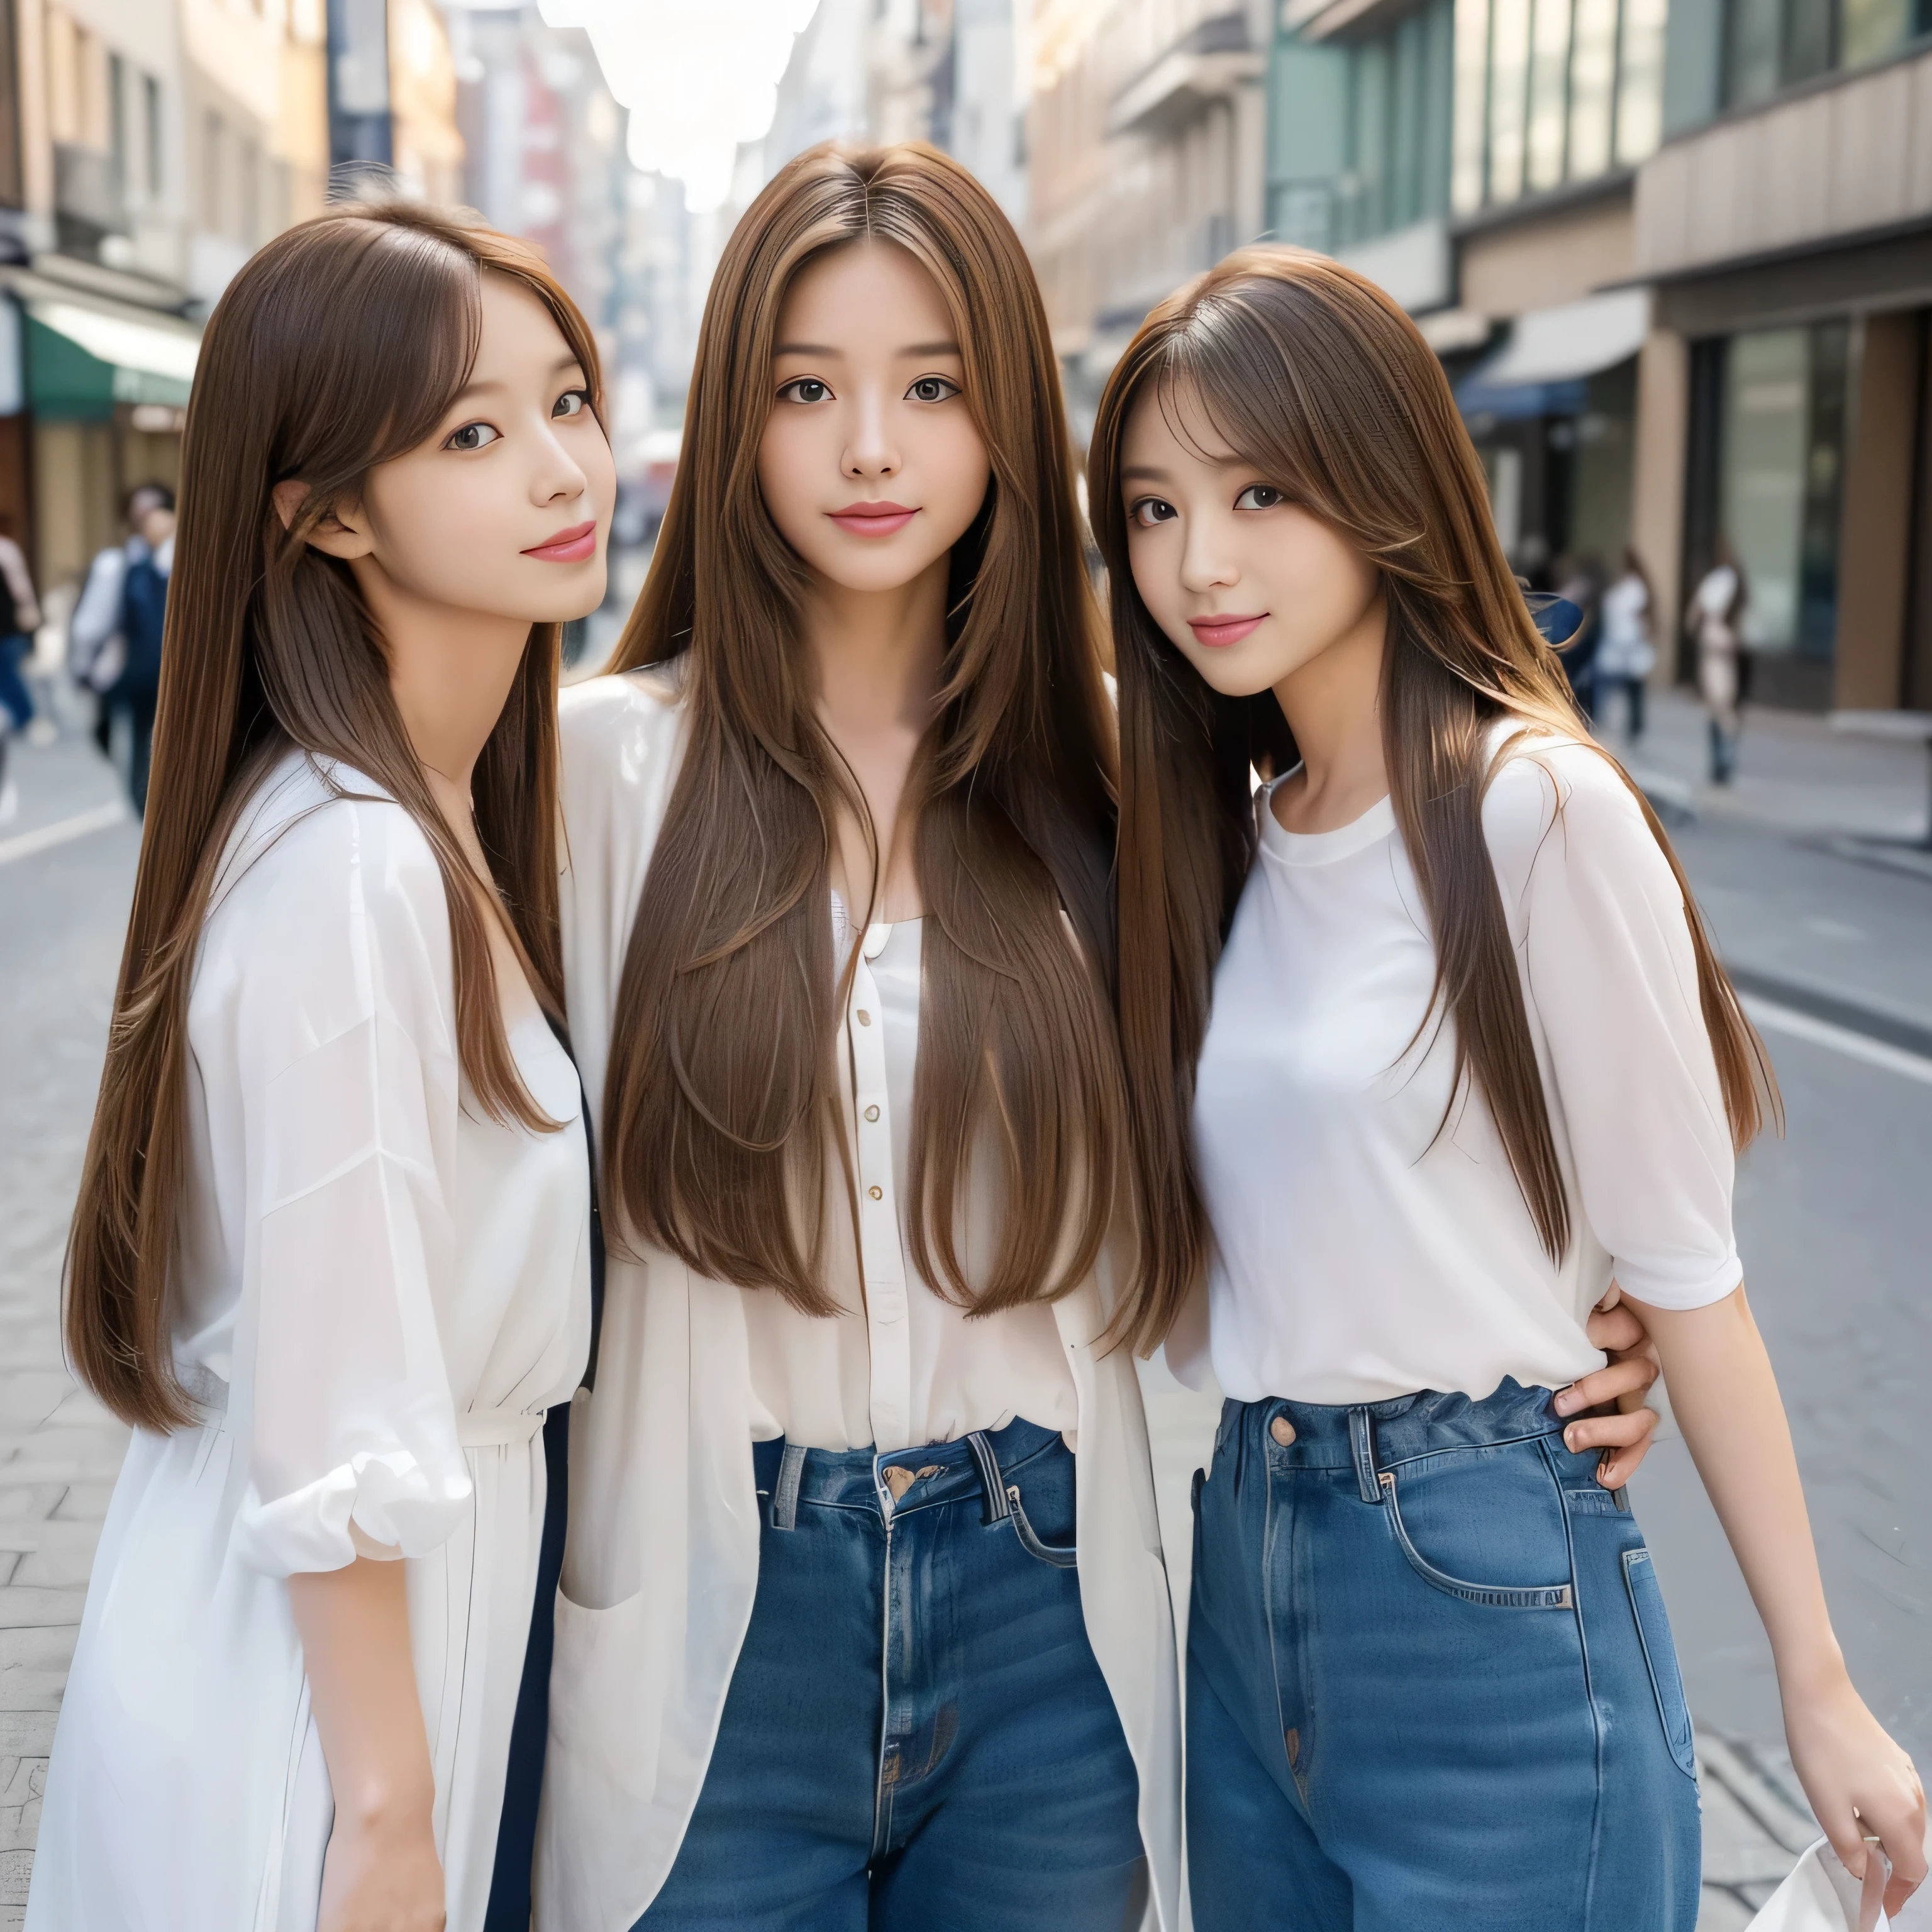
point(1558, 800)
point(318, 838)
point(619, 739)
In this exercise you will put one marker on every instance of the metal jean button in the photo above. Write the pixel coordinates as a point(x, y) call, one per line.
point(1283, 1430)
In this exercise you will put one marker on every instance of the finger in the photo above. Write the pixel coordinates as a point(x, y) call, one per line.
point(1629, 1375)
point(1615, 1328)
point(1623, 1430)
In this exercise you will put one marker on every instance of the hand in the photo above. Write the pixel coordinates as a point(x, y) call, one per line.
point(381, 1874)
point(1625, 1436)
point(1858, 1782)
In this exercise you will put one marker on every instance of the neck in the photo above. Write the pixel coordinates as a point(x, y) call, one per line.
point(1333, 704)
point(877, 654)
point(451, 671)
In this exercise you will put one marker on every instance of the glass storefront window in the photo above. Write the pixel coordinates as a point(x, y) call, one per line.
point(1549, 93)
point(1640, 83)
point(1593, 81)
point(1509, 82)
point(1780, 455)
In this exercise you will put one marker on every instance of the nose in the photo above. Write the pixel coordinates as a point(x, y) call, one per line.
point(557, 476)
point(1202, 567)
point(870, 451)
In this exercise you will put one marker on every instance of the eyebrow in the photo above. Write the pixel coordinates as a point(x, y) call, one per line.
point(911, 349)
point(1148, 472)
point(566, 361)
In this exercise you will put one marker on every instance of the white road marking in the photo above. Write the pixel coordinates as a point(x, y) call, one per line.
point(26, 844)
point(1773, 1017)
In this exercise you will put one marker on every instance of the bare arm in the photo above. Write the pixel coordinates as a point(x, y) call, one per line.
point(1726, 1401)
point(382, 1873)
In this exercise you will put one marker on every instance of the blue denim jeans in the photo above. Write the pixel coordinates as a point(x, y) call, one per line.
point(917, 1737)
point(1430, 1683)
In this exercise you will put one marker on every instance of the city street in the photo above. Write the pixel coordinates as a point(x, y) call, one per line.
point(1834, 941)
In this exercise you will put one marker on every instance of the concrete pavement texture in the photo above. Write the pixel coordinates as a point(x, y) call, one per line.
point(1834, 1220)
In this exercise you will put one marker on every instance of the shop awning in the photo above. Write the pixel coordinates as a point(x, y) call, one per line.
point(84, 358)
point(1552, 352)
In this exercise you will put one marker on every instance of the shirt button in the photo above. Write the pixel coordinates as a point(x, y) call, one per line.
point(875, 1193)
point(865, 1018)
point(871, 1113)
point(1283, 1430)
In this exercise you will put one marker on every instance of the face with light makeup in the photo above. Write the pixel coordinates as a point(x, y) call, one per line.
point(871, 463)
point(504, 508)
point(1249, 586)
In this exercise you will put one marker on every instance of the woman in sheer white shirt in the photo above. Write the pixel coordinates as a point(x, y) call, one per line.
point(331, 1253)
point(1431, 1050)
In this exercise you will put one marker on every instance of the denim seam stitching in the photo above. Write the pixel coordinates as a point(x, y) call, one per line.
point(1589, 1689)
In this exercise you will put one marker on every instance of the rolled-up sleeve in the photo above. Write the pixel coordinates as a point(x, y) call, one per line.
point(1610, 971)
point(348, 1060)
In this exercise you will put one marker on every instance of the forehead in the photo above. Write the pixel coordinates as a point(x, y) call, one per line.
point(862, 294)
point(516, 323)
point(1169, 425)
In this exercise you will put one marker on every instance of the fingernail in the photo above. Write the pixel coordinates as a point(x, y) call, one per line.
point(1566, 1400)
point(1569, 1439)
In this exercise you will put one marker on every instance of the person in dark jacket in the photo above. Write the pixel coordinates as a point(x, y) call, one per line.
point(144, 598)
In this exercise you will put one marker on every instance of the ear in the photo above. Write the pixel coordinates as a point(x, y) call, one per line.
point(342, 532)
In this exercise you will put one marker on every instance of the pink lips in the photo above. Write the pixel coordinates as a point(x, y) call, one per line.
point(1219, 632)
point(570, 546)
point(873, 520)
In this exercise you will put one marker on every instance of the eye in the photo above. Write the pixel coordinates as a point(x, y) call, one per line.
point(932, 389)
point(571, 403)
point(805, 389)
point(1259, 497)
point(472, 436)
point(1149, 511)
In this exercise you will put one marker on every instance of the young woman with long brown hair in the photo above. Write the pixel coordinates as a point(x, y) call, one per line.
point(330, 1255)
point(849, 1634)
point(1426, 1045)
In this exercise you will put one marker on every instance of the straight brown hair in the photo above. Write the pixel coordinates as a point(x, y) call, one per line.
point(722, 1094)
point(339, 345)
point(1310, 372)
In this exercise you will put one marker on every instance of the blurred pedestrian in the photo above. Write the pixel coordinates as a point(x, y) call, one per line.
point(19, 619)
point(1626, 654)
point(97, 652)
point(144, 597)
point(1578, 581)
point(1714, 620)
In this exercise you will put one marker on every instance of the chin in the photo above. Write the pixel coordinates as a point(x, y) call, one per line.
point(1232, 673)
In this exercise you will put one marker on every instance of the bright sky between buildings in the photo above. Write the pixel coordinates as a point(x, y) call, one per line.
point(698, 76)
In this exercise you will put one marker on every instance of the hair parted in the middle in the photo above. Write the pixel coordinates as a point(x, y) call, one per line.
point(722, 1099)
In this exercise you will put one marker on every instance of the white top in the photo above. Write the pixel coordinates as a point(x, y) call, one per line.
point(381, 1291)
point(1359, 1256)
point(900, 1366)
point(1625, 650)
point(661, 1570)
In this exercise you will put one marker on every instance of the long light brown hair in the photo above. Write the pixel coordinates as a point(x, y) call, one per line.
point(722, 1096)
point(1314, 376)
point(338, 347)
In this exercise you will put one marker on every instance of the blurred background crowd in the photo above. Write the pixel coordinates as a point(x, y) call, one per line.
point(1675, 257)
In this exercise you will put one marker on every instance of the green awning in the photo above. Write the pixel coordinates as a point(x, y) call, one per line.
point(82, 361)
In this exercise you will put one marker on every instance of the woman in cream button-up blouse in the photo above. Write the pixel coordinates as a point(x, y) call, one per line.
point(864, 1620)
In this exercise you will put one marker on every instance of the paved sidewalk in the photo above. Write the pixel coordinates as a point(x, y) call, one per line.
point(63, 910)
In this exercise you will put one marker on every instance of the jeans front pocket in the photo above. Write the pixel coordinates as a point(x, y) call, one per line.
point(1660, 1654)
point(1501, 1596)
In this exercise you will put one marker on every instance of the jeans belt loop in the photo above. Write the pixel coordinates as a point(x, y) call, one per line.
point(785, 1491)
point(1362, 1448)
point(991, 1480)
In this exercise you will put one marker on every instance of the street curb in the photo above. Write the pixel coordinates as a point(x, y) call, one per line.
point(1890, 1029)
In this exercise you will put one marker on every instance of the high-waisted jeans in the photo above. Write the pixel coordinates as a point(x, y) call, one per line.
point(917, 1737)
point(1430, 1683)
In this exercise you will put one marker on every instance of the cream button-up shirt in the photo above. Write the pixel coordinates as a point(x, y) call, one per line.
point(661, 1569)
point(900, 1366)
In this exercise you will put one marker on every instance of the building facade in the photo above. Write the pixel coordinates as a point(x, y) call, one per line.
point(1786, 229)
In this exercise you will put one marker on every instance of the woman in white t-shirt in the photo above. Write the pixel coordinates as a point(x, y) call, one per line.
point(1626, 656)
point(1470, 1060)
